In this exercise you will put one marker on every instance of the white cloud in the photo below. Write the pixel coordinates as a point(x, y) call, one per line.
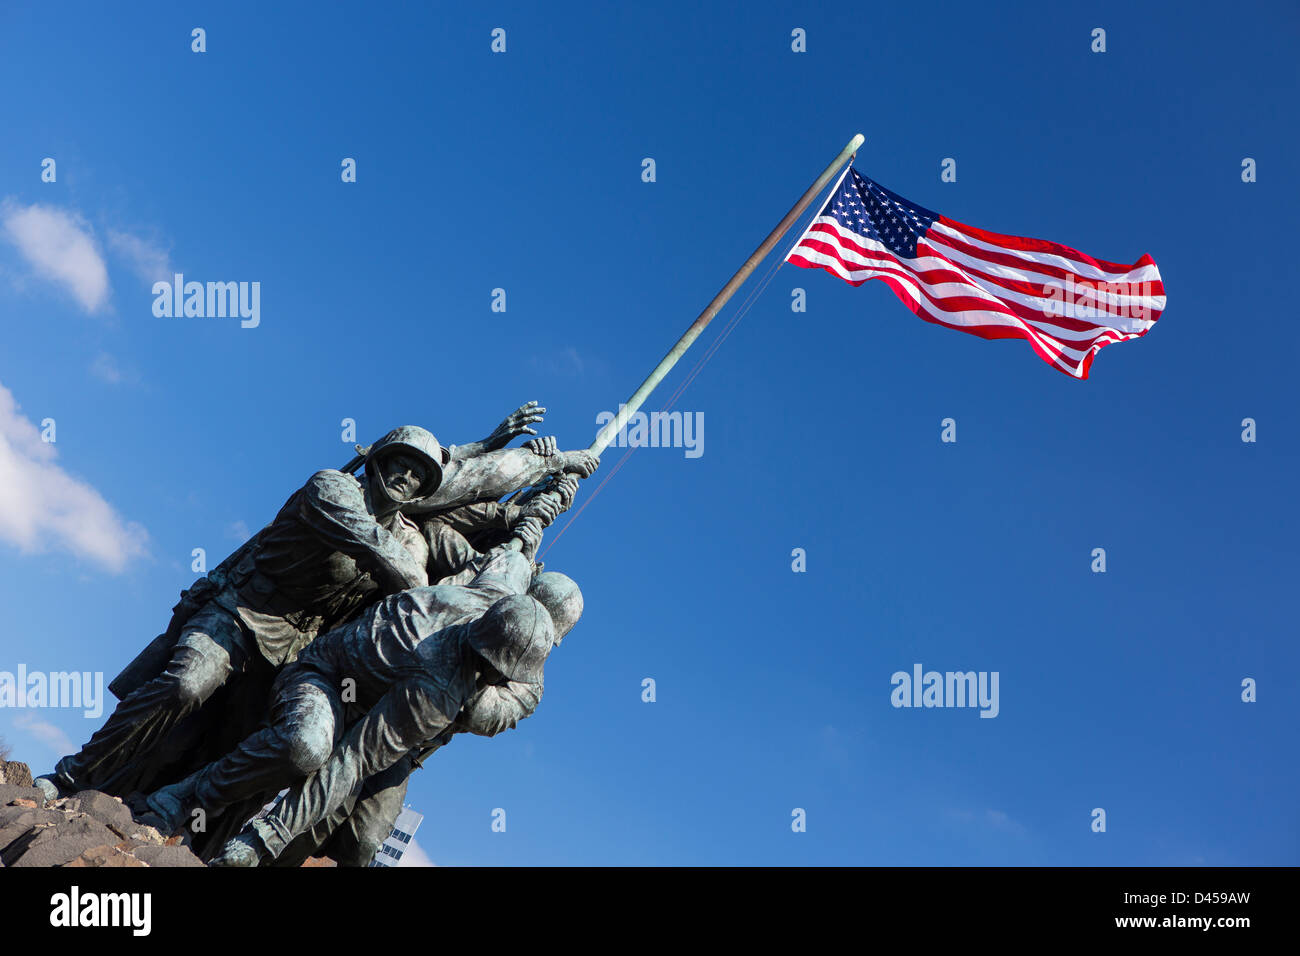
point(107, 369)
point(414, 855)
point(59, 247)
point(566, 362)
point(147, 259)
point(46, 733)
point(990, 819)
point(1000, 821)
point(42, 506)
point(238, 531)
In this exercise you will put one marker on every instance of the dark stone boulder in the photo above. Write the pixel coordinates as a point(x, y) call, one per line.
point(109, 811)
point(106, 856)
point(17, 822)
point(11, 791)
point(60, 843)
point(86, 829)
point(172, 855)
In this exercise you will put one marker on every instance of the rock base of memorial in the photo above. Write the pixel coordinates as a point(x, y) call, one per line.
point(87, 829)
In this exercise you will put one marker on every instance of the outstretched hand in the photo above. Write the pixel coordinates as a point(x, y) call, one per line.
point(516, 424)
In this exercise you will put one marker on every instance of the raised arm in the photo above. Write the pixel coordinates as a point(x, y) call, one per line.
point(492, 475)
point(445, 532)
point(482, 516)
point(514, 425)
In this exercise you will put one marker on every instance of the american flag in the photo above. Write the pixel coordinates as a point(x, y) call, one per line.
point(1067, 305)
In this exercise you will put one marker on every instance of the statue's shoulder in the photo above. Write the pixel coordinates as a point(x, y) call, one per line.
point(327, 494)
point(333, 485)
point(334, 476)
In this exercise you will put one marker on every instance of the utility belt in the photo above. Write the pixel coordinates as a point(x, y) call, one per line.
point(259, 592)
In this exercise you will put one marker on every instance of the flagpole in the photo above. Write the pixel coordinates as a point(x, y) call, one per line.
point(633, 404)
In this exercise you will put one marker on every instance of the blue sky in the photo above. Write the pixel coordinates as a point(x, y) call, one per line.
point(522, 170)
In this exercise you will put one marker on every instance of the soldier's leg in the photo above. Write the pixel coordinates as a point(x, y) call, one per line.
point(357, 838)
point(211, 648)
point(305, 722)
point(312, 842)
point(405, 718)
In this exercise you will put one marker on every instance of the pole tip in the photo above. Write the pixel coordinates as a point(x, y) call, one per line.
point(855, 142)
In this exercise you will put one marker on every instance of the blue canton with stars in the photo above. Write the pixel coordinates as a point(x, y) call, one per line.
point(871, 210)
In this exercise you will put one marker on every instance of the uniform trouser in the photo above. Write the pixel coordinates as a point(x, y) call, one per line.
point(306, 721)
point(211, 648)
point(353, 834)
point(412, 713)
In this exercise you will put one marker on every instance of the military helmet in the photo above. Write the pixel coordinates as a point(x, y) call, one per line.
point(559, 594)
point(417, 442)
point(514, 636)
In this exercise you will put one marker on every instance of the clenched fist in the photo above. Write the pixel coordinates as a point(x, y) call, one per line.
point(529, 531)
point(545, 447)
point(580, 463)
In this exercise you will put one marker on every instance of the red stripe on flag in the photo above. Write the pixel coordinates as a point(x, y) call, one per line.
point(932, 308)
point(1042, 245)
